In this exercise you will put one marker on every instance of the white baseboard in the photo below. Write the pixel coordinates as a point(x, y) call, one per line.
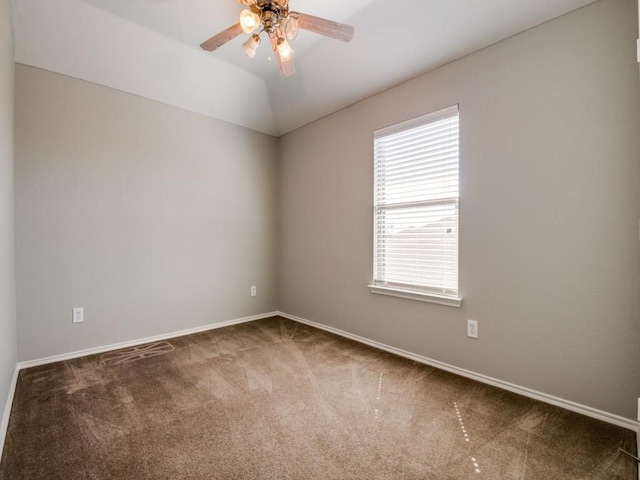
point(543, 397)
point(582, 409)
point(7, 409)
point(106, 348)
point(140, 341)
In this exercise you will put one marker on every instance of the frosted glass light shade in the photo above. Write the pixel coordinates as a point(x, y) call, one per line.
point(251, 45)
point(285, 50)
point(249, 21)
point(289, 27)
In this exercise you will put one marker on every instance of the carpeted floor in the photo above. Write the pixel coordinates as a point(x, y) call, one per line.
point(274, 399)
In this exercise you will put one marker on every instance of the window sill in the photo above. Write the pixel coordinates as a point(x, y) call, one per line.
point(420, 296)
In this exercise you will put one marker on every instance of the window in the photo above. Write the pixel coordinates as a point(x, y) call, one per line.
point(416, 209)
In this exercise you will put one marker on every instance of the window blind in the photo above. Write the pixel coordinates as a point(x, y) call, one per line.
point(416, 204)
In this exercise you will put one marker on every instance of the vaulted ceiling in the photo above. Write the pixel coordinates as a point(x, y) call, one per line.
point(150, 48)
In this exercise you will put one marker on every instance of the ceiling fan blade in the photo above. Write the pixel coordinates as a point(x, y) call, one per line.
point(221, 38)
point(286, 68)
point(248, 3)
point(325, 27)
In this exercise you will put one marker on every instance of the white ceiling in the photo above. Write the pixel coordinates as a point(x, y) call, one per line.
point(150, 48)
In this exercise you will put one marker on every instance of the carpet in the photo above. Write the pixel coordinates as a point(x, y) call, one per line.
point(275, 399)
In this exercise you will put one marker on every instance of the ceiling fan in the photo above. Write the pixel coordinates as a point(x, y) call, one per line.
point(281, 26)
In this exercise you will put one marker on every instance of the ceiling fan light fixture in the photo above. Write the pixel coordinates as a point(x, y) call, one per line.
point(284, 50)
point(249, 21)
point(280, 25)
point(251, 45)
point(289, 27)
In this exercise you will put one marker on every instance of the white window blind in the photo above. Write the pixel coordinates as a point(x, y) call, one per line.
point(416, 205)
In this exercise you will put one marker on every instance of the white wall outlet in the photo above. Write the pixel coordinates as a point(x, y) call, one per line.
point(254, 291)
point(472, 328)
point(78, 315)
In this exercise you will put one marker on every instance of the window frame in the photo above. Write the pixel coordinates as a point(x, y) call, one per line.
point(425, 293)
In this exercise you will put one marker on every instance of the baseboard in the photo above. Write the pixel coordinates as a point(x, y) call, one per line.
point(140, 341)
point(106, 348)
point(7, 409)
point(543, 397)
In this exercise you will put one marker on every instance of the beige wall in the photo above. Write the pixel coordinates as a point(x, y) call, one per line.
point(7, 264)
point(152, 218)
point(550, 203)
point(155, 219)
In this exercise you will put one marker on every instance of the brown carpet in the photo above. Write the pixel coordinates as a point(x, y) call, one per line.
point(274, 399)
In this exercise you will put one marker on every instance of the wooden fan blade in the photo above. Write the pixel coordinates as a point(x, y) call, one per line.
point(248, 3)
point(221, 38)
point(286, 68)
point(324, 27)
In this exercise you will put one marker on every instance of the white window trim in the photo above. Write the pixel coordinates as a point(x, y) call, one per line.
point(422, 296)
point(421, 120)
point(449, 301)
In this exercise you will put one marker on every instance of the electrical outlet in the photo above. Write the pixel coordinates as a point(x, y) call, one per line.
point(254, 291)
point(472, 328)
point(78, 315)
